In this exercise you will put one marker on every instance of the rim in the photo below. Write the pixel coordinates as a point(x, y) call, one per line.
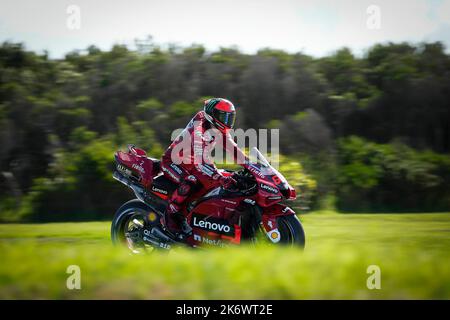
point(130, 232)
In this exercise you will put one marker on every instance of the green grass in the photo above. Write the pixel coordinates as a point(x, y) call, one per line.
point(412, 251)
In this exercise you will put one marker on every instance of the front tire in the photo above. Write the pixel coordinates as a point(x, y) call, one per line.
point(291, 231)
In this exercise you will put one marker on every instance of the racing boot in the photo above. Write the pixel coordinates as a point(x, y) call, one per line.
point(175, 219)
point(182, 223)
point(176, 222)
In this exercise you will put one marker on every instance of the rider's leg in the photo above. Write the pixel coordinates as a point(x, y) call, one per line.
point(176, 174)
point(175, 220)
point(195, 179)
point(177, 200)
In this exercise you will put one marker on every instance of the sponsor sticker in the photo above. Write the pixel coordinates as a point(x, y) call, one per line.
point(274, 235)
point(256, 171)
point(170, 173)
point(268, 188)
point(176, 168)
point(138, 168)
point(212, 224)
point(206, 170)
point(124, 170)
point(159, 190)
point(213, 242)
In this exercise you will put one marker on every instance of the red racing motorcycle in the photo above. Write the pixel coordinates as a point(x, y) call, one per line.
point(219, 216)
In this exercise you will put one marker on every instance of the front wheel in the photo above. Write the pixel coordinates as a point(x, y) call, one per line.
point(291, 231)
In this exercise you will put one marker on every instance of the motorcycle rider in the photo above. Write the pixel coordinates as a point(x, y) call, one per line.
point(187, 161)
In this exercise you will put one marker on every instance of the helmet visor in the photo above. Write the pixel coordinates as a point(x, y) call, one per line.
point(227, 118)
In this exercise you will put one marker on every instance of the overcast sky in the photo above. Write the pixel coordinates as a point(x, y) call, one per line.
point(314, 27)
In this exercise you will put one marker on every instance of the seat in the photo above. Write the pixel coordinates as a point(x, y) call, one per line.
point(156, 165)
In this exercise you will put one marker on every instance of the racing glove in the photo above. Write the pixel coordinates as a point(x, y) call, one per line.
point(227, 182)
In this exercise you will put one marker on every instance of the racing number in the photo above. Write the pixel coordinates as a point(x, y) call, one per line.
point(276, 180)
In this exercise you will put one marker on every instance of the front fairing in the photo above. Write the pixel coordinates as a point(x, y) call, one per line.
point(272, 185)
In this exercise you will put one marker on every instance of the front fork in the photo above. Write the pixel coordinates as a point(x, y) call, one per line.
point(269, 222)
point(267, 219)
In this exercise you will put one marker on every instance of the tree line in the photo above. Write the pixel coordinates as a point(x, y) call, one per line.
point(358, 133)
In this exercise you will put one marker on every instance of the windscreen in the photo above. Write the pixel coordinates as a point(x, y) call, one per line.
point(257, 157)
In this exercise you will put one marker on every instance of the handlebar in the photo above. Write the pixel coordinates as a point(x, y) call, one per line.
point(246, 182)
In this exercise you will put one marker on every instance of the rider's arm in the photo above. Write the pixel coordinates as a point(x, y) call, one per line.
point(201, 162)
point(232, 148)
point(197, 137)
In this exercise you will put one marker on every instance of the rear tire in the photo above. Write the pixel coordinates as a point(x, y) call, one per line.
point(291, 231)
point(133, 209)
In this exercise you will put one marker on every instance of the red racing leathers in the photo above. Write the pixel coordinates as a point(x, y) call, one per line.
point(188, 159)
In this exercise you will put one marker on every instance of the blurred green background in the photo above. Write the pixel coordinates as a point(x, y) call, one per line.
point(364, 133)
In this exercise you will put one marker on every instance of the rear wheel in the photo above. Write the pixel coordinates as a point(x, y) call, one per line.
point(291, 231)
point(128, 224)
